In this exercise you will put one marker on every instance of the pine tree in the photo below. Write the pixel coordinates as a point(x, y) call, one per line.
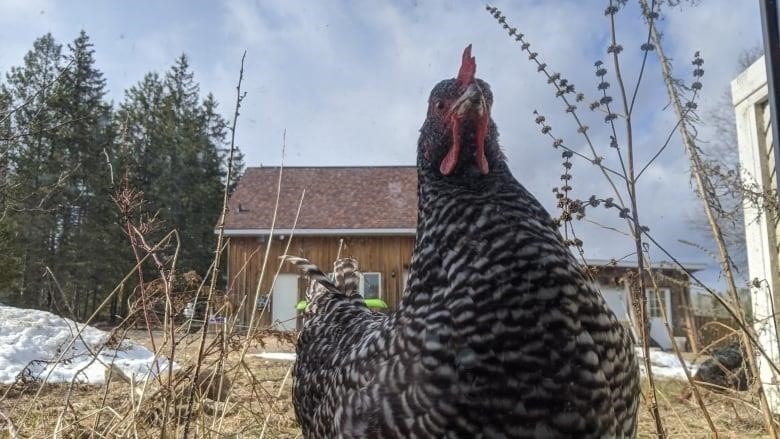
point(38, 165)
point(9, 249)
point(208, 175)
point(219, 131)
point(140, 163)
point(176, 154)
point(197, 135)
point(61, 147)
point(65, 154)
point(139, 124)
point(89, 264)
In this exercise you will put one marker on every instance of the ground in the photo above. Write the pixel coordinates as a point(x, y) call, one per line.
point(105, 411)
point(253, 405)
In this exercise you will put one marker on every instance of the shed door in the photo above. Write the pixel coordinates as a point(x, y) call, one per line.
point(283, 301)
point(657, 328)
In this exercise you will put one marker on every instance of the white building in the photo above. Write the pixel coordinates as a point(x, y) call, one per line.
point(749, 93)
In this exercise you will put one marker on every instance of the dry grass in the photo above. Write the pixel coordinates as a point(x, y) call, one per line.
point(253, 403)
point(251, 399)
point(735, 414)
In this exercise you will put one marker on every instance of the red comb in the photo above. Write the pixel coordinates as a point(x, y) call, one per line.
point(468, 68)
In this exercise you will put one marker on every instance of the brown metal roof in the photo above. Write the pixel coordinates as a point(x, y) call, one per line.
point(336, 198)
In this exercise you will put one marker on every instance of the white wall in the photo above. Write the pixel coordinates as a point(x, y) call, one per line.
point(756, 155)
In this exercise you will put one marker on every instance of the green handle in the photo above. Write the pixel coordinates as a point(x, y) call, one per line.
point(371, 303)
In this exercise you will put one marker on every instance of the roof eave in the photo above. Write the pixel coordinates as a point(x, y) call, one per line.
point(323, 232)
point(690, 266)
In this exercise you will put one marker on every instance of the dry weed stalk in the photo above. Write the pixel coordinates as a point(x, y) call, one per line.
point(629, 176)
point(702, 184)
point(9, 426)
point(218, 251)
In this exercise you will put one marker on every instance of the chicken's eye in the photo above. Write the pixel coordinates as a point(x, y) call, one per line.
point(439, 105)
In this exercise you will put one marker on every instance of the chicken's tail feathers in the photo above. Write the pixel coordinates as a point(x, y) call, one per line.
point(311, 270)
point(346, 275)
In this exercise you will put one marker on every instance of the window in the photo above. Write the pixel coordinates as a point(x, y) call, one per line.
point(654, 307)
point(371, 285)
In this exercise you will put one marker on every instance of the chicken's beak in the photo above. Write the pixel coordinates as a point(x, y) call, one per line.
point(470, 101)
point(470, 105)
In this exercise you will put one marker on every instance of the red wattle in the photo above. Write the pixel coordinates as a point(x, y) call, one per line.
point(450, 161)
point(482, 163)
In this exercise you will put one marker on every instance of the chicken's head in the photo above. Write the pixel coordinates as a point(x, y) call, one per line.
point(458, 136)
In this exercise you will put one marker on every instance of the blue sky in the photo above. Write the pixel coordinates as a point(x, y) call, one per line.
point(349, 80)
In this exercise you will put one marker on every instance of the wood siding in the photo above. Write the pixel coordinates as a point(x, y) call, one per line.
point(388, 255)
point(679, 291)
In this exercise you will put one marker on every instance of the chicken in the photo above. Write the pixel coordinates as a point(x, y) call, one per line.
point(726, 369)
point(499, 333)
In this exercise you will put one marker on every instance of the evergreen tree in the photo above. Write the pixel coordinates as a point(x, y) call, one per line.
point(219, 132)
point(140, 159)
point(60, 151)
point(67, 152)
point(37, 165)
point(139, 122)
point(9, 249)
point(89, 264)
point(176, 155)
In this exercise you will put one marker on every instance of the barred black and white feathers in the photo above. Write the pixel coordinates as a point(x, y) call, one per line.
point(339, 347)
point(499, 333)
point(344, 283)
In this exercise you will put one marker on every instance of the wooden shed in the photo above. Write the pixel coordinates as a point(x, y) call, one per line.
point(371, 212)
point(616, 279)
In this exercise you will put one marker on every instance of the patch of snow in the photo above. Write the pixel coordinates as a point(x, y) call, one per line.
point(664, 364)
point(280, 356)
point(49, 347)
